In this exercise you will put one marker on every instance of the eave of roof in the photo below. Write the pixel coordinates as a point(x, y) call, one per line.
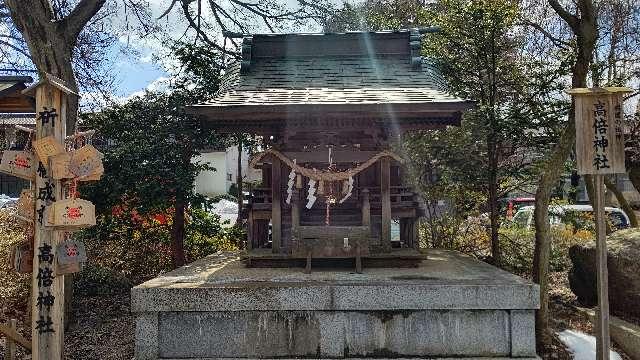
point(12, 84)
point(380, 111)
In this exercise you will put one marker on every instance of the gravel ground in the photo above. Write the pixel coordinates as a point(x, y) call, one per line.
point(103, 329)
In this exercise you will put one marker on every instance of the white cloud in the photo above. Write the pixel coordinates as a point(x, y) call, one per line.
point(161, 84)
point(93, 101)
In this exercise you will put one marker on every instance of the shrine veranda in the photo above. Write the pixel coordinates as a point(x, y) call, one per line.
point(321, 276)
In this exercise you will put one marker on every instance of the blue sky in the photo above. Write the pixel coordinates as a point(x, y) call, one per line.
point(135, 75)
point(139, 71)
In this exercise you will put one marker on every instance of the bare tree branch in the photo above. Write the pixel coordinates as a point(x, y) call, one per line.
point(555, 40)
point(572, 20)
point(166, 12)
point(199, 31)
point(80, 16)
point(16, 48)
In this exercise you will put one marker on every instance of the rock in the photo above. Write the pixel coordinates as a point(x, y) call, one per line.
point(623, 262)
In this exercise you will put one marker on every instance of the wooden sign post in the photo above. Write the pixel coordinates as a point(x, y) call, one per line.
point(600, 152)
point(47, 293)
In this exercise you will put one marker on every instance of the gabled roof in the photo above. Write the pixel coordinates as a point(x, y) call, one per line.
point(53, 81)
point(372, 74)
point(11, 98)
point(12, 84)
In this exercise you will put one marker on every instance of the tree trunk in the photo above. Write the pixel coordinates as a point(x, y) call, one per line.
point(585, 30)
point(239, 182)
point(549, 177)
point(51, 41)
point(177, 233)
point(634, 176)
point(624, 204)
point(494, 217)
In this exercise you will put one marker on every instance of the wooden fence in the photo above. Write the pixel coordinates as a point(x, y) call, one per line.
point(13, 338)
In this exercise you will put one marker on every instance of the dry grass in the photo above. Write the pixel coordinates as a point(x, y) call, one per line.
point(14, 287)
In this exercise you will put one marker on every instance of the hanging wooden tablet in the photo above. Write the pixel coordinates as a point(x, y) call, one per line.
point(22, 258)
point(26, 204)
point(71, 255)
point(95, 175)
point(47, 146)
point(20, 164)
point(85, 161)
point(59, 165)
point(73, 214)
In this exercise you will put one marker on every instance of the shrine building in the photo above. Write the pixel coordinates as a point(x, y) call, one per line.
point(328, 107)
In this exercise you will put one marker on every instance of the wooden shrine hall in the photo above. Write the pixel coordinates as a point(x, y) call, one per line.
point(329, 108)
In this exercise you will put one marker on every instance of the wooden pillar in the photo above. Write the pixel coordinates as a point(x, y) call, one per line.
point(295, 211)
point(366, 208)
point(250, 226)
point(47, 290)
point(276, 211)
point(10, 348)
point(414, 235)
point(602, 320)
point(385, 195)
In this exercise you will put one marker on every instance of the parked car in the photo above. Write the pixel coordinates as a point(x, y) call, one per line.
point(509, 206)
point(227, 210)
point(579, 216)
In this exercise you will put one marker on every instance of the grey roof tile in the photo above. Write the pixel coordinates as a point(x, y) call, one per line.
point(17, 119)
point(388, 80)
point(299, 80)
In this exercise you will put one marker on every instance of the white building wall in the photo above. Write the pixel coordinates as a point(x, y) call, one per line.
point(211, 183)
point(248, 175)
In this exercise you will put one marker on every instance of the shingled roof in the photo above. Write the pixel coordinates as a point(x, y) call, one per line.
point(11, 98)
point(372, 73)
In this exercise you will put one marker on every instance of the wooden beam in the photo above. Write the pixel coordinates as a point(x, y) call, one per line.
point(602, 321)
point(276, 211)
point(385, 194)
point(47, 320)
point(339, 156)
point(295, 210)
point(415, 239)
point(10, 332)
point(366, 208)
point(250, 234)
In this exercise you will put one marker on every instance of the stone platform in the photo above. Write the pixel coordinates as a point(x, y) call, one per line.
point(451, 306)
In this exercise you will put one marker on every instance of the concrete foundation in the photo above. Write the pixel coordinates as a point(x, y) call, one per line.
point(451, 306)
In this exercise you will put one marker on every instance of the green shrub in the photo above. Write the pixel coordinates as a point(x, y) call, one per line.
point(94, 280)
point(471, 236)
point(518, 245)
point(205, 235)
point(139, 248)
point(468, 236)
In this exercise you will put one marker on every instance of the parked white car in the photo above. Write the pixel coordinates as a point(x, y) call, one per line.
point(561, 214)
point(227, 210)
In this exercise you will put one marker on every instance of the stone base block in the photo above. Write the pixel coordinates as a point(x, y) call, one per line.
point(217, 309)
